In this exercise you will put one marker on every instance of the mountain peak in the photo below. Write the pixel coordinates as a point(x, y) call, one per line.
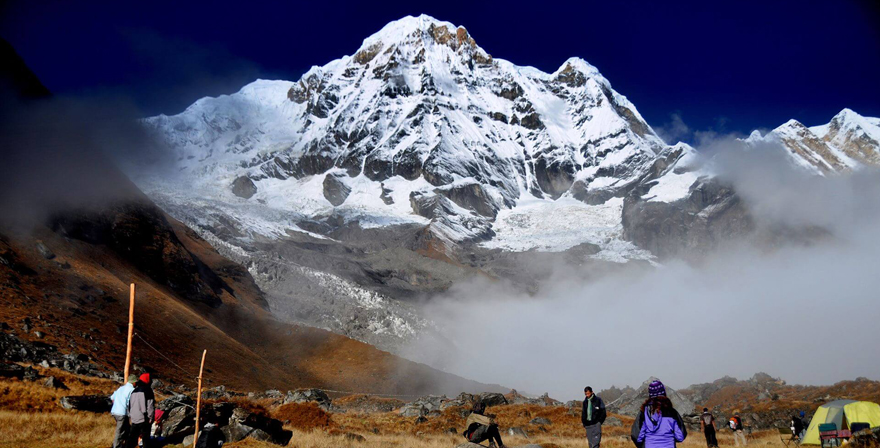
point(847, 113)
point(417, 31)
point(577, 64)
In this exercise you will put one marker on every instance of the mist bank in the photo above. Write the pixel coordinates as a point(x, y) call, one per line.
point(743, 308)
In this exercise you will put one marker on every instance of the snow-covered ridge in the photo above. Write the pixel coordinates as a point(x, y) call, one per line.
point(848, 142)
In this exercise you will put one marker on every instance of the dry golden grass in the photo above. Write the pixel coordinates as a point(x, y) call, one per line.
point(31, 417)
point(55, 429)
point(85, 430)
point(302, 416)
point(32, 396)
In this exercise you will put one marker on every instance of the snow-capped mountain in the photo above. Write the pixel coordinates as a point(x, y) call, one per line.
point(850, 141)
point(421, 160)
point(420, 125)
point(416, 162)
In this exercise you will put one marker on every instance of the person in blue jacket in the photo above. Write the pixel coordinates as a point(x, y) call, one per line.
point(119, 411)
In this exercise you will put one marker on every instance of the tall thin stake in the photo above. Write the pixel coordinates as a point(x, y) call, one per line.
point(130, 332)
point(199, 399)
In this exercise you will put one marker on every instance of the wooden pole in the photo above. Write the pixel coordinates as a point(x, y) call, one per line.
point(199, 399)
point(130, 333)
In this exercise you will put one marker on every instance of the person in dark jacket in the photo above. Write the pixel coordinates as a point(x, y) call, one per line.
point(211, 436)
point(707, 424)
point(592, 417)
point(805, 422)
point(141, 411)
point(656, 390)
point(736, 425)
point(797, 425)
point(482, 426)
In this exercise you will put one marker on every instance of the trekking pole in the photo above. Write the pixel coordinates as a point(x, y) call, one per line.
point(199, 399)
point(130, 331)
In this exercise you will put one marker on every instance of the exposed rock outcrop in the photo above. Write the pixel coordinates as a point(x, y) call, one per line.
point(630, 403)
point(243, 187)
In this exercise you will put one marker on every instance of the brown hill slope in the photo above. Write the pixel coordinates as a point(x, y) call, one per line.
point(194, 299)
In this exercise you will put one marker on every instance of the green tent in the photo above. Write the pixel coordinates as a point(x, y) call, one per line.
point(841, 413)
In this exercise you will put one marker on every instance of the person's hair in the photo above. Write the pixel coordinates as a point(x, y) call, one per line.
point(132, 378)
point(655, 404)
point(479, 407)
point(588, 389)
point(705, 409)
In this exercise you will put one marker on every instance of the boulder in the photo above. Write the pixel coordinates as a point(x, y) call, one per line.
point(235, 432)
point(517, 431)
point(90, 403)
point(44, 251)
point(31, 374)
point(262, 428)
point(179, 421)
point(366, 404)
point(471, 196)
point(175, 401)
point(215, 393)
point(244, 187)
point(262, 436)
point(613, 421)
point(492, 399)
point(308, 396)
point(335, 189)
point(540, 421)
point(412, 410)
point(464, 400)
point(53, 383)
point(11, 371)
point(422, 406)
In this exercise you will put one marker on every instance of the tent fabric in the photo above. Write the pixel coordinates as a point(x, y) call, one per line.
point(841, 413)
point(864, 412)
point(832, 412)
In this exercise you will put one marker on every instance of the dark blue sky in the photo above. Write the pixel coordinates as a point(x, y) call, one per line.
point(727, 66)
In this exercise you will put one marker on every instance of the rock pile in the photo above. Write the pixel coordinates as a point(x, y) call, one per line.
point(515, 397)
point(13, 349)
point(308, 396)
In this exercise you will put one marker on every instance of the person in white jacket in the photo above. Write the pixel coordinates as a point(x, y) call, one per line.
point(119, 411)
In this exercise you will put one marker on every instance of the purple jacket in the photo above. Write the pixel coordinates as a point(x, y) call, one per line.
point(659, 431)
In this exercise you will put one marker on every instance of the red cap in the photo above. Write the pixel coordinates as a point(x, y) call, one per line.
point(145, 378)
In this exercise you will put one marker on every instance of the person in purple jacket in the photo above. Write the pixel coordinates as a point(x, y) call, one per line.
point(659, 431)
point(658, 424)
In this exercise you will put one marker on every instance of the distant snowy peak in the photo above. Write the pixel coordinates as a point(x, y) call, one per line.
point(848, 142)
point(420, 123)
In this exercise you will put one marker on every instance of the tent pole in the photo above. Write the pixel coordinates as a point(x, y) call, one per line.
point(199, 399)
point(130, 333)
